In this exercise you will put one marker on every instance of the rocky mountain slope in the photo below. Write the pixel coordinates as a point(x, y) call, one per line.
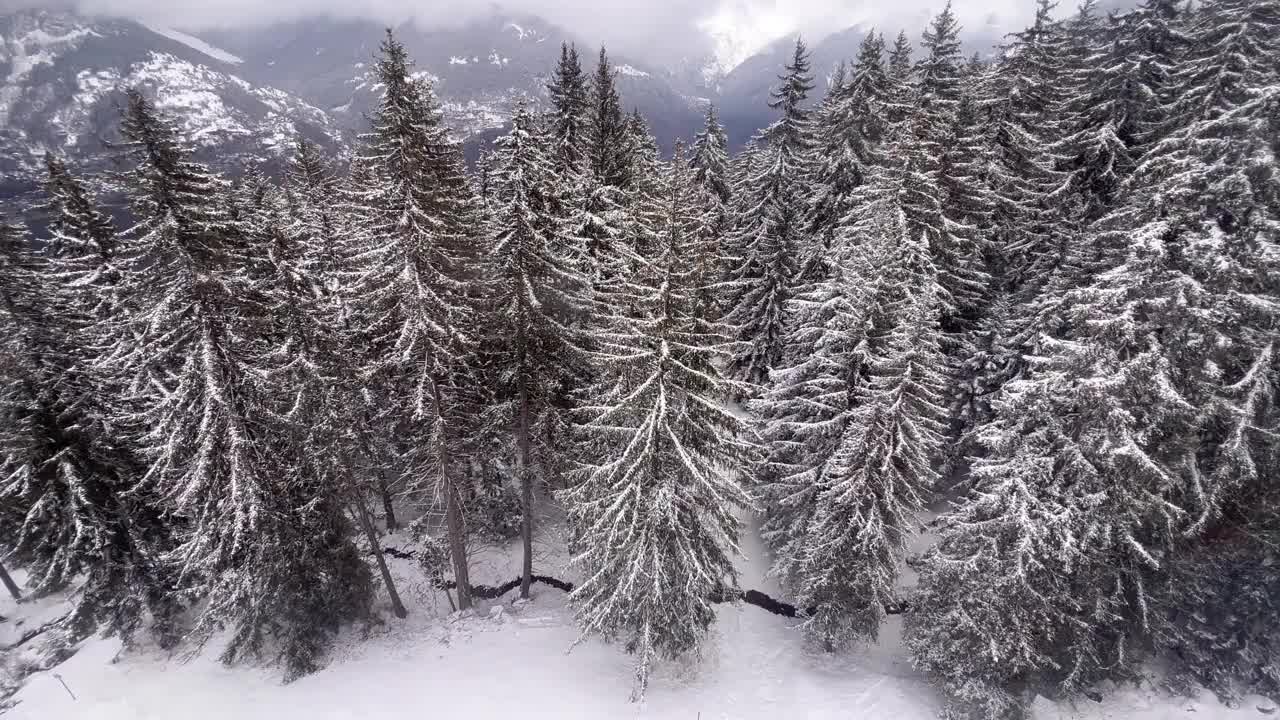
point(241, 94)
point(63, 78)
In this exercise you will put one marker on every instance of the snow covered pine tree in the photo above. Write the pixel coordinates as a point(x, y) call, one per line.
point(414, 228)
point(194, 355)
point(538, 289)
point(769, 235)
point(652, 516)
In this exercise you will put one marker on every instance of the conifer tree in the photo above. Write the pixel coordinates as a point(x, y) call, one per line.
point(570, 122)
point(877, 479)
point(642, 180)
point(315, 225)
point(1118, 84)
point(414, 225)
point(606, 127)
point(313, 221)
point(653, 521)
point(808, 402)
point(80, 231)
point(1032, 215)
point(308, 290)
point(1134, 430)
point(711, 169)
point(193, 356)
point(853, 427)
point(965, 180)
point(769, 235)
point(83, 514)
point(710, 159)
point(901, 92)
point(848, 130)
point(1232, 50)
point(305, 404)
point(742, 168)
point(56, 474)
point(531, 348)
point(600, 215)
point(1025, 91)
point(924, 148)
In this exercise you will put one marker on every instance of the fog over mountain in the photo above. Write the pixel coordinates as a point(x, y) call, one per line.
point(245, 76)
point(656, 30)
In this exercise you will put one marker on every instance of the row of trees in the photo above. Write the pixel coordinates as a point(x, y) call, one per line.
point(199, 408)
point(1039, 287)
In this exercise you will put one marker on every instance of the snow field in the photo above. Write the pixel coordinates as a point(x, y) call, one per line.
point(514, 659)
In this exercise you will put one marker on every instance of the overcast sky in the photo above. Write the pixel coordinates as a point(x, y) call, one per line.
point(645, 26)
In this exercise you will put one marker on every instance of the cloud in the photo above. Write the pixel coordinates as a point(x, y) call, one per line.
point(654, 29)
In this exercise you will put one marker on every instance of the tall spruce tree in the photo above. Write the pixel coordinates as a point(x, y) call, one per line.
point(879, 476)
point(848, 129)
point(808, 403)
point(84, 516)
point(64, 476)
point(642, 185)
point(901, 80)
point(1233, 48)
point(710, 159)
point(923, 147)
point(742, 168)
point(770, 232)
point(653, 521)
point(711, 168)
point(606, 126)
point(316, 224)
point(570, 122)
point(601, 210)
point(306, 401)
point(193, 353)
point(531, 349)
point(307, 278)
point(409, 299)
point(1023, 97)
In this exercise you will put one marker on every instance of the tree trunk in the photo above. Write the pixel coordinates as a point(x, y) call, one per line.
point(9, 583)
point(366, 522)
point(526, 489)
point(458, 546)
point(384, 487)
point(388, 510)
point(453, 510)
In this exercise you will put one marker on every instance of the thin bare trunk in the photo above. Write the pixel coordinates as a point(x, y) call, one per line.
point(388, 511)
point(526, 489)
point(453, 510)
point(384, 486)
point(9, 583)
point(366, 523)
point(458, 546)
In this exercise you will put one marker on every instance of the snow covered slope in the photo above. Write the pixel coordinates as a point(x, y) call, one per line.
point(63, 80)
point(480, 69)
point(196, 43)
point(520, 661)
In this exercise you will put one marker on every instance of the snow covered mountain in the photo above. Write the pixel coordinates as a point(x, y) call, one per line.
point(63, 78)
point(480, 70)
point(242, 94)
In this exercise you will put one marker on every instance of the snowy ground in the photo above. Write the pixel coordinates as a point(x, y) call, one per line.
point(516, 661)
